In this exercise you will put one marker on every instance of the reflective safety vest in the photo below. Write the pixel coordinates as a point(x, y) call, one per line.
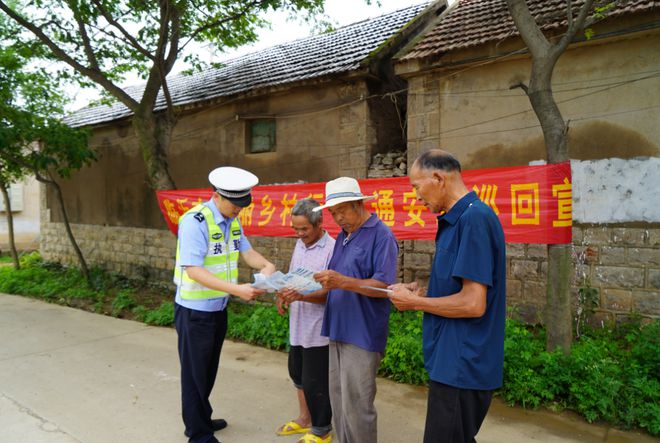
point(221, 258)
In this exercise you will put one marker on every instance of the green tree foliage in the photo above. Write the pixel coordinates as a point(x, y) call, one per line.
point(33, 140)
point(103, 40)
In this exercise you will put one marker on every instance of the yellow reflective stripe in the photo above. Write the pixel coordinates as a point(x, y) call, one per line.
point(220, 259)
point(203, 294)
point(223, 266)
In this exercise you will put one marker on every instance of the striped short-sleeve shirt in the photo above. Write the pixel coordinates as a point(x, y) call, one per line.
point(305, 319)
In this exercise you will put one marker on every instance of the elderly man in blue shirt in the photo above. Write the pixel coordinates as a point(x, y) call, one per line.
point(210, 241)
point(464, 308)
point(356, 317)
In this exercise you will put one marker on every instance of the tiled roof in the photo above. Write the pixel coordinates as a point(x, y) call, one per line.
point(336, 52)
point(475, 22)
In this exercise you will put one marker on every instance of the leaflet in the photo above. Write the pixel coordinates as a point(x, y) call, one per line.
point(300, 280)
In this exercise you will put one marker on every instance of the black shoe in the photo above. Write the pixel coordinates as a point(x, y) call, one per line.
point(217, 425)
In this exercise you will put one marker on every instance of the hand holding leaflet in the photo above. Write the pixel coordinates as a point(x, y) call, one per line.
point(300, 279)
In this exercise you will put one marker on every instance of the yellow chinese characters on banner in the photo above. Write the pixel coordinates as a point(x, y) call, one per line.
point(487, 194)
point(525, 204)
point(564, 194)
point(414, 210)
point(267, 210)
point(246, 215)
point(384, 206)
point(287, 205)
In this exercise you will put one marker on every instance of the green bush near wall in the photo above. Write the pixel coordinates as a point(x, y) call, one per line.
point(612, 373)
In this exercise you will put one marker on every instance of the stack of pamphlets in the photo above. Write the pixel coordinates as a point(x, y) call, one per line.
point(300, 280)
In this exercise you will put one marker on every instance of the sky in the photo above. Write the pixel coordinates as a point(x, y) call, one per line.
point(339, 12)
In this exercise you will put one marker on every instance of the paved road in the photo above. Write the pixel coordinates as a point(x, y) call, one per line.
point(71, 376)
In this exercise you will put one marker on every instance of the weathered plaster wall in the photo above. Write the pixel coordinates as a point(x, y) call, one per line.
point(608, 91)
point(26, 221)
point(322, 132)
point(615, 190)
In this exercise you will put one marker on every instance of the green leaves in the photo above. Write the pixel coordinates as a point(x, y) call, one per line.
point(32, 138)
point(259, 324)
point(610, 375)
point(404, 360)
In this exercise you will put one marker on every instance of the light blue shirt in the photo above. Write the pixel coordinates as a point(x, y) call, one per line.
point(193, 246)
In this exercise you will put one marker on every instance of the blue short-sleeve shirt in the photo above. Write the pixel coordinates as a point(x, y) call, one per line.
point(467, 353)
point(193, 245)
point(370, 252)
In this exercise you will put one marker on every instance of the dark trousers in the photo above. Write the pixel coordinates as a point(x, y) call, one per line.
point(454, 415)
point(201, 335)
point(308, 368)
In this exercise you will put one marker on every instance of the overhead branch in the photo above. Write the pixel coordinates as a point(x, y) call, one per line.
point(168, 12)
point(573, 25)
point(87, 45)
point(127, 36)
point(522, 86)
point(94, 74)
point(175, 36)
point(215, 23)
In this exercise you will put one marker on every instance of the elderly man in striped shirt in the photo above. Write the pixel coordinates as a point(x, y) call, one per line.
point(308, 355)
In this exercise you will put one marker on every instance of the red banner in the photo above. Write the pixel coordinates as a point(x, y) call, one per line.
point(534, 204)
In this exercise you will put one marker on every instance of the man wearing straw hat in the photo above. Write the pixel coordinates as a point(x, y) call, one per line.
point(356, 315)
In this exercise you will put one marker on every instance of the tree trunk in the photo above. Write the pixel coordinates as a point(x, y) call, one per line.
point(154, 133)
point(558, 315)
point(69, 233)
point(10, 226)
point(558, 318)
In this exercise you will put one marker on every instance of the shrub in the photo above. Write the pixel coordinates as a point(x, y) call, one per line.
point(162, 316)
point(258, 324)
point(611, 374)
point(404, 361)
point(123, 301)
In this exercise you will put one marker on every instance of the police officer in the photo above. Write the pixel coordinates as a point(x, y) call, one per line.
point(210, 241)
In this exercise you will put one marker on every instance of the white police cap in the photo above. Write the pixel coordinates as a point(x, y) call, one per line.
point(234, 184)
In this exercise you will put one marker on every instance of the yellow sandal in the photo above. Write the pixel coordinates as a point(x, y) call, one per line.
point(291, 428)
point(311, 438)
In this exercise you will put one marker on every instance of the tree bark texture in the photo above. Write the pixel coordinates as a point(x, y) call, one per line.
point(67, 226)
point(10, 226)
point(544, 55)
point(154, 134)
point(558, 316)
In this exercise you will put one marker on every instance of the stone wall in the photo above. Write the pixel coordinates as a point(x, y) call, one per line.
point(139, 253)
point(622, 264)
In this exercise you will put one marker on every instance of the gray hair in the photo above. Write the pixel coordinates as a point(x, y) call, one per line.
point(304, 207)
point(437, 159)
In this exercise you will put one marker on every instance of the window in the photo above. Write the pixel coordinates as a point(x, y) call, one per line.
point(261, 134)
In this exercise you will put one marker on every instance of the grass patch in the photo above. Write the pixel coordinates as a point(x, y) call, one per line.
point(112, 294)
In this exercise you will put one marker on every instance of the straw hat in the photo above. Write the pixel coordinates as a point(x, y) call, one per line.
point(342, 190)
